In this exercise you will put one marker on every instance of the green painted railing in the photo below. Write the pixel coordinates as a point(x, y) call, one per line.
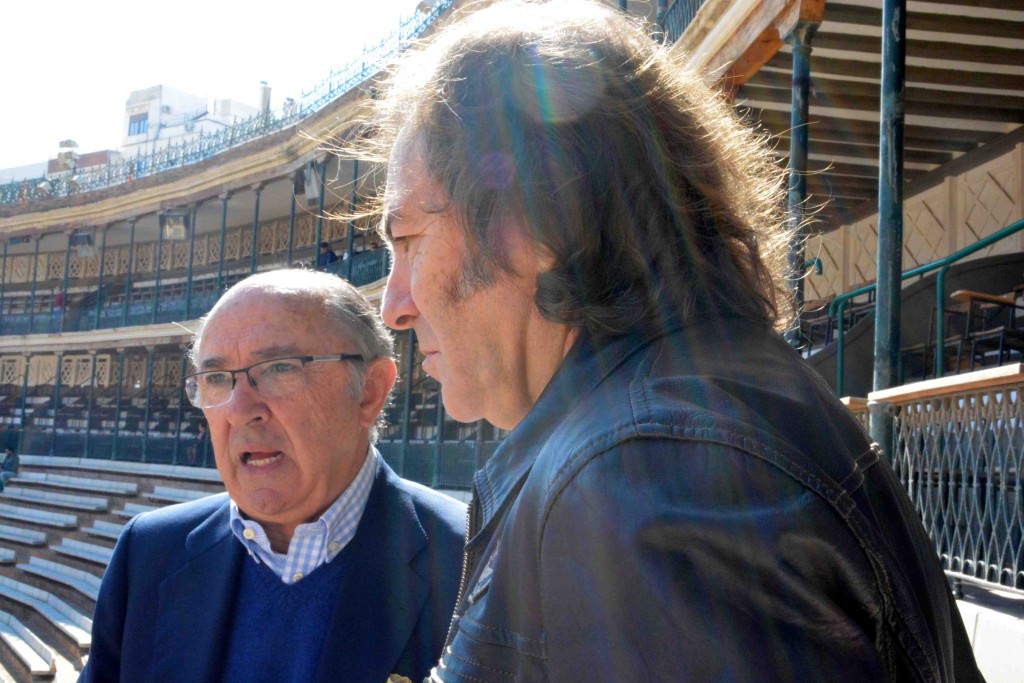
point(206, 145)
point(836, 309)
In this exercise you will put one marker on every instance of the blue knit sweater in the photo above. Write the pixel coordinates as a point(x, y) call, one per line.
point(279, 629)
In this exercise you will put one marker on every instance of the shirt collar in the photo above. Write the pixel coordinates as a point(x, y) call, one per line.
point(314, 543)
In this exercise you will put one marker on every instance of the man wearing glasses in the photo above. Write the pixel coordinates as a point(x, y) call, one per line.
point(319, 563)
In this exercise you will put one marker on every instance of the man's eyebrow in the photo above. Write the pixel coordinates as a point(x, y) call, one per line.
point(261, 354)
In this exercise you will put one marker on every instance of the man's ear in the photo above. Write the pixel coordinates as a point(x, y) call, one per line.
point(380, 378)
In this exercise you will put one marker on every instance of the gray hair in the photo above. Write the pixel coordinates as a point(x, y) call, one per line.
point(355, 318)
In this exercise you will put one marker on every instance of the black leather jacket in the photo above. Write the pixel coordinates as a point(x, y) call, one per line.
point(696, 506)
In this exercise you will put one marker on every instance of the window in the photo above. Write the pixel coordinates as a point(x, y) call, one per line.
point(138, 124)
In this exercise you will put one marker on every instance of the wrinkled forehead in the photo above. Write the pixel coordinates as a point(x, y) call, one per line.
point(252, 319)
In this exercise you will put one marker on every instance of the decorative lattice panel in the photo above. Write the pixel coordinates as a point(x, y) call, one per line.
point(103, 365)
point(67, 370)
point(925, 221)
point(959, 457)
point(121, 257)
point(166, 371)
point(42, 370)
point(233, 245)
point(12, 370)
point(52, 264)
point(135, 371)
point(145, 257)
point(829, 249)
point(305, 230)
point(990, 201)
point(862, 242)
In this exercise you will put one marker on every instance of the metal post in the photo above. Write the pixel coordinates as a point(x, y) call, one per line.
point(191, 235)
point(320, 210)
point(255, 247)
point(801, 40)
point(940, 321)
point(890, 214)
point(89, 405)
point(117, 405)
point(24, 396)
point(32, 291)
point(99, 286)
point(351, 224)
point(662, 7)
point(3, 281)
point(64, 289)
point(128, 274)
point(56, 402)
point(157, 269)
point(149, 397)
point(291, 230)
point(181, 401)
point(223, 233)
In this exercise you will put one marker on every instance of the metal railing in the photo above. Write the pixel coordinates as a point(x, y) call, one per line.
point(836, 309)
point(206, 145)
point(959, 451)
point(678, 17)
point(367, 267)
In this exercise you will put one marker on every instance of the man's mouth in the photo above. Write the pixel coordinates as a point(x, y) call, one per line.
point(261, 458)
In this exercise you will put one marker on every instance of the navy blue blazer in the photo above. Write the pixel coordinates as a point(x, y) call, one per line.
point(167, 598)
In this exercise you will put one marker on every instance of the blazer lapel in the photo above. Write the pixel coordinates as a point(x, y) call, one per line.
point(381, 596)
point(198, 601)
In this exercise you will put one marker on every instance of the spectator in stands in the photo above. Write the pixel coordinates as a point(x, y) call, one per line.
point(196, 453)
point(9, 467)
point(319, 563)
point(590, 249)
point(326, 256)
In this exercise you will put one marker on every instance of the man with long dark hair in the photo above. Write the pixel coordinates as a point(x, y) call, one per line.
point(590, 250)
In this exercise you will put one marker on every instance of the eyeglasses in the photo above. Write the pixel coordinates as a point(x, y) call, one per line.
point(274, 378)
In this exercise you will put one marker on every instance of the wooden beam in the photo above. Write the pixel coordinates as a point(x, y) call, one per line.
point(857, 102)
point(823, 87)
point(957, 24)
point(923, 49)
point(915, 74)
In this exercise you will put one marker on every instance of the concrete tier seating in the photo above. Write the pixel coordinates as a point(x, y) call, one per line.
point(19, 535)
point(82, 581)
point(43, 517)
point(63, 500)
point(174, 495)
point(7, 556)
point(27, 646)
point(102, 529)
point(100, 554)
point(132, 509)
point(121, 467)
point(66, 618)
point(105, 486)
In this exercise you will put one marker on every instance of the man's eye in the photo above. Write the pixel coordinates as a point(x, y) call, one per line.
point(282, 367)
point(215, 379)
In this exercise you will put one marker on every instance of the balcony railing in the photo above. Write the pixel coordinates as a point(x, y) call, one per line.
point(204, 146)
point(959, 451)
point(678, 17)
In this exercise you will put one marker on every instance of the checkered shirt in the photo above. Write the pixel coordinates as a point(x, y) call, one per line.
point(313, 543)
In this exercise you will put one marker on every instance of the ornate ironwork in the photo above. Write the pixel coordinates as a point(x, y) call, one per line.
point(205, 145)
point(961, 458)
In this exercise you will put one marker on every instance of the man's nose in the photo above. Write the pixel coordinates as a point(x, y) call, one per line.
point(398, 309)
point(245, 403)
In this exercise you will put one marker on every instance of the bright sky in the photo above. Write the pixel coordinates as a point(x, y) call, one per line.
point(69, 65)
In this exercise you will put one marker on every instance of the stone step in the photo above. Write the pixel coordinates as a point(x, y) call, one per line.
point(28, 647)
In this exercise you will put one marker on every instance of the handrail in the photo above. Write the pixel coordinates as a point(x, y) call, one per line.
point(838, 304)
point(206, 145)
